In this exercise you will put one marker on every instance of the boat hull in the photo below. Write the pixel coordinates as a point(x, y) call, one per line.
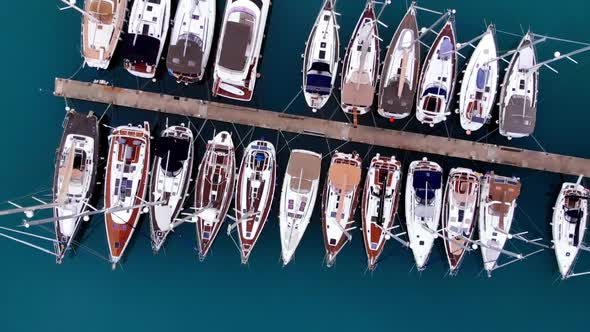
point(125, 185)
point(214, 190)
point(99, 39)
point(397, 90)
point(255, 192)
point(81, 135)
point(437, 80)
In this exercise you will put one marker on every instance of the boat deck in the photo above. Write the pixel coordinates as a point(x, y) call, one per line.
point(314, 126)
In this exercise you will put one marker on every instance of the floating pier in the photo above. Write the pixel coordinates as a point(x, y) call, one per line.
point(389, 138)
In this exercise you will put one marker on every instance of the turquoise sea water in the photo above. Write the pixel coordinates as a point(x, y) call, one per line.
point(173, 291)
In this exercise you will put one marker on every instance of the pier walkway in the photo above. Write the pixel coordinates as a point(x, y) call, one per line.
point(319, 127)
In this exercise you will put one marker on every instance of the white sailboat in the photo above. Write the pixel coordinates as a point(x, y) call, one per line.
point(399, 76)
point(423, 203)
point(146, 35)
point(298, 197)
point(191, 39)
point(570, 218)
point(437, 81)
point(361, 64)
point(170, 177)
point(321, 58)
point(102, 23)
point(480, 83)
point(461, 199)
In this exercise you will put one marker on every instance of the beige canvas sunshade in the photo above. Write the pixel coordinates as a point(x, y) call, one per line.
point(305, 166)
point(344, 177)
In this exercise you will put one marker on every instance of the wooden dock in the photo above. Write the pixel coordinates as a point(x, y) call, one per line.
point(314, 126)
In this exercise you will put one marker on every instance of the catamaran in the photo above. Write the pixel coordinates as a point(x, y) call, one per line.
point(496, 212)
point(171, 174)
point(256, 187)
point(570, 218)
point(423, 202)
point(518, 98)
point(240, 42)
point(74, 178)
point(320, 61)
point(191, 39)
point(125, 185)
point(459, 211)
point(339, 202)
point(102, 22)
point(399, 76)
point(437, 81)
point(480, 83)
point(361, 64)
point(380, 202)
point(298, 197)
point(146, 34)
point(214, 189)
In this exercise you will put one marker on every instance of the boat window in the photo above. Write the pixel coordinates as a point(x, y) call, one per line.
point(157, 2)
point(149, 8)
point(326, 17)
point(322, 55)
point(145, 30)
point(323, 45)
point(521, 86)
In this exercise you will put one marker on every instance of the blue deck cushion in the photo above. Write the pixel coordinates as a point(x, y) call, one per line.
point(482, 78)
point(321, 84)
point(425, 183)
point(446, 49)
point(437, 91)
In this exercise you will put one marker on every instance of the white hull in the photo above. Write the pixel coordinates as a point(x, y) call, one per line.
point(298, 197)
point(322, 54)
point(422, 220)
point(480, 84)
point(570, 217)
point(247, 21)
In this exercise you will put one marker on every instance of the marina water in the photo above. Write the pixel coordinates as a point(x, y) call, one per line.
point(173, 291)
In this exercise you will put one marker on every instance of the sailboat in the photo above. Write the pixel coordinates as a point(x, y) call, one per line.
point(570, 218)
point(298, 197)
point(255, 191)
point(191, 39)
point(74, 178)
point(361, 64)
point(320, 61)
point(146, 34)
point(518, 97)
point(214, 189)
point(125, 185)
point(240, 43)
point(496, 212)
point(102, 22)
point(480, 83)
point(437, 81)
point(459, 212)
point(339, 202)
point(399, 76)
point(423, 202)
point(380, 202)
point(171, 175)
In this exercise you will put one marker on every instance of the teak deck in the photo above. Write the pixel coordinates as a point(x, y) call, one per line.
point(314, 126)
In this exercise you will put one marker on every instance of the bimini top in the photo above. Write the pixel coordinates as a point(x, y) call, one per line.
point(304, 168)
point(235, 43)
point(186, 56)
point(425, 183)
point(140, 48)
point(344, 176)
point(319, 79)
point(173, 152)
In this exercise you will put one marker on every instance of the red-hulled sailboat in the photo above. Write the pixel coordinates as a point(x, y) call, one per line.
point(214, 189)
point(256, 186)
point(125, 185)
